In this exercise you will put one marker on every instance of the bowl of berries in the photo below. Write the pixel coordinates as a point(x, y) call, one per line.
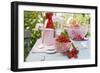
point(62, 43)
point(76, 31)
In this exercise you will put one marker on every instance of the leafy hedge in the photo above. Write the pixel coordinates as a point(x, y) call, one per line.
point(31, 18)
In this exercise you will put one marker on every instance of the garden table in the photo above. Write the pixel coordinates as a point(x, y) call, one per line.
point(39, 54)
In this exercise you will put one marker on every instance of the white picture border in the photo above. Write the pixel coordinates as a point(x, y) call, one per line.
point(22, 64)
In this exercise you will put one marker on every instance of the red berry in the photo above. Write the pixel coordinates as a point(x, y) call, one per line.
point(79, 37)
point(73, 53)
point(63, 38)
point(75, 56)
point(70, 55)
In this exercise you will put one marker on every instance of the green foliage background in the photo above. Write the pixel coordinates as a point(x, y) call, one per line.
point(31, 18)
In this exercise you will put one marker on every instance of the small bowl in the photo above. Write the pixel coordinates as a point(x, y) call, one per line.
point(62, 47)
point(74, 31)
